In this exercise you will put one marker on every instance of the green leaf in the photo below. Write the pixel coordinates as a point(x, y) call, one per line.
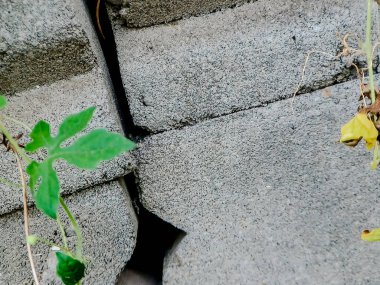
point(99, 145)
point(3, 102)
point(40, 137)
point(73, 124)
point(47, 194)
point(32, 171)
point(86, 152)
point(70, 270)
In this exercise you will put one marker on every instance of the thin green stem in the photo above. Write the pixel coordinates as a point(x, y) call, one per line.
point(10, 183)
point(14, 144)
point(51, 244)
point(375, 161)
point(368, 50)
point(75, 228)
point(62, 229)
point(17, 122)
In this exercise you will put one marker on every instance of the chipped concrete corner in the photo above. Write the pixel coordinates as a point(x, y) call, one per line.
point(40, 42)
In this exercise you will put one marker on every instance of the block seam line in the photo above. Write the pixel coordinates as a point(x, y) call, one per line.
point(63, 194)
point(155, 237)
point(193, 122)
point(108, 46)
point(138, 132)
point(117, 7)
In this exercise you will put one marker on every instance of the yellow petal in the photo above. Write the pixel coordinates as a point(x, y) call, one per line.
point(359, 127)
point(373, 235)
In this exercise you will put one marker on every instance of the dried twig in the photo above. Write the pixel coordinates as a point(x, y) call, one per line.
point(98, 18)
point(26, 217)
point(304, 71)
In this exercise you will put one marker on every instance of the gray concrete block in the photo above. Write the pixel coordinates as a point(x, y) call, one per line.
point(40, 42)
point(267, 195)
point(109, 227)
point(53, 103)
point(140, 13)
point(204, 67)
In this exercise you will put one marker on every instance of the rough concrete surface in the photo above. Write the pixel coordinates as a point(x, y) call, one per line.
point(109, 227)
point(267, 196)
point(41, 41)
point(52, 103)
point(203, 67)
point(142, 13)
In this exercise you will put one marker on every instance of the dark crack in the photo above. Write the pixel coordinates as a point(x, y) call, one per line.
point(108, 46)
point(155, 237)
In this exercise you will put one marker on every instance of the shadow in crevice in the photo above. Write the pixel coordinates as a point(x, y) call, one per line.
point(109, 49)
point(155, 239)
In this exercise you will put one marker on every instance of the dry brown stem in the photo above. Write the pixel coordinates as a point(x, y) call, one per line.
point(26, 217)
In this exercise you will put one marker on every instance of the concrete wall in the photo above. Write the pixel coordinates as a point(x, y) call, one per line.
point(254, 177)
point(51, 65)
point(257, 180)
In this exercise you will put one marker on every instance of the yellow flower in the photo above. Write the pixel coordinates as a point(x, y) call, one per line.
point(373, 235)
point(357, 128)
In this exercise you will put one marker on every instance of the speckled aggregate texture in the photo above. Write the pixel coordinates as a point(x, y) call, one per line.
point(267, 196)
point(142, 13)
point(53, 103)
point(41, 41)
point(208, 66)
point(109, 226)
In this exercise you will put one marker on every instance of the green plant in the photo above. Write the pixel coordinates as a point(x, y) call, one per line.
point(366, 123)
point(86, 152)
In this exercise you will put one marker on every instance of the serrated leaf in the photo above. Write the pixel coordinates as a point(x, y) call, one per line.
point(47, 194)
point(73, 124)
point(86, 152)
point(91, 149)
point(70, 270)
point(40, 136)
point(3, 102)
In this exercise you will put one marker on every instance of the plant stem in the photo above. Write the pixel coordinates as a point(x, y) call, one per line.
point(14, 144)
point(368, 50)
point(75, 228)
point(9, 183)
point(51, 244)
point(25, 126)
point(62, 229)
point(26, 217)
point(98, 18)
